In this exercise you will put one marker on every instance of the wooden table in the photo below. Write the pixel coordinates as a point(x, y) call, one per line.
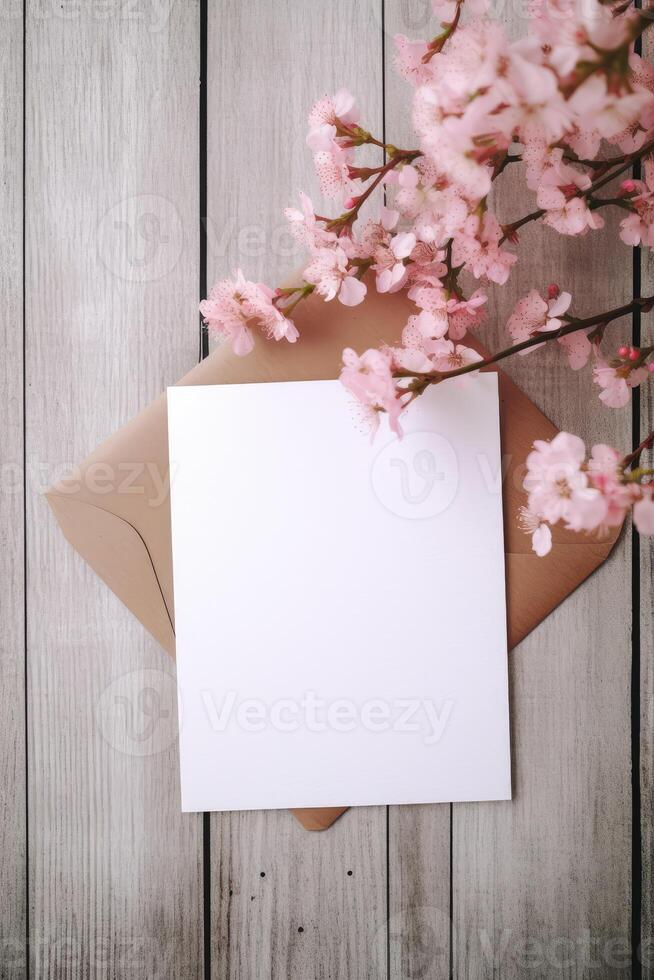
point(139, 165)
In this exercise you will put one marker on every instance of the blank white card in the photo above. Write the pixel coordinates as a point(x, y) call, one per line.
point(339, 604)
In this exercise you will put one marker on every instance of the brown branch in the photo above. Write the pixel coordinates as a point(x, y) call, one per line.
point(424, 379)
point(635, 456)
point(510, 229)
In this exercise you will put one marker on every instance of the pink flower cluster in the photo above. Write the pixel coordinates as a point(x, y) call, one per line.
point(571, 107)
point(235, 306)
point(585, 495)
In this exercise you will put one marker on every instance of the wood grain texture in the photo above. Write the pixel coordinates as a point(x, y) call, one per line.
point(13, 835)
point(419, 836)
point(111, 273)
point(268, 62)
point(542, 885)
point(419, 891)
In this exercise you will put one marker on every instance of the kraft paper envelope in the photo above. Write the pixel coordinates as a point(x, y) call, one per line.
point(115, 509)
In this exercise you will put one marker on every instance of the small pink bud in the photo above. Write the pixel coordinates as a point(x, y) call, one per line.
point(650, 367)
point(628, 186)
point(350, 203)
point(634, 354)
point(623, 351)
point(553, 290)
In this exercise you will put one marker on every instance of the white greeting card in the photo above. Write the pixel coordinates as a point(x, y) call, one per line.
point(339, 604)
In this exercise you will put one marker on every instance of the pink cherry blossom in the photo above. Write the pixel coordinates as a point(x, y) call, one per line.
point(234, 307)
point(533, 314)
point(558, 194)
point(448, 356)
point(305, 227)
point(540, 532)
point(466, 314)
point(369, 378)
point(604, 474)
point(577, 347)
point(602, 112)
point(423, 328)
point(332, 276)
point(335, 109)
point(616, 382)
point(558, 486)
point(574, 218)
point(427, 265)
point(478, 248)
point(331, 148)
point(638, 228)
point(435, 205)
point(333, 171)
point(391, 271)
point(641, 78)
point(408, 60)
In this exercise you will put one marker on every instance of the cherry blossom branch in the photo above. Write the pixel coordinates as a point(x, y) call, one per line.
point(348, 217)
point(424, 379)
point(364, 137)
point(633, 457)
point(438, 42)
point(625, 163)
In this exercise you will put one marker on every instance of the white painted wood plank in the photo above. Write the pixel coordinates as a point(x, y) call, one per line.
point(13, 895)
point(553, 866)
point(419, 837)
point(115, 869)
point(268, 62)
point(419, 891)
point(546, 879)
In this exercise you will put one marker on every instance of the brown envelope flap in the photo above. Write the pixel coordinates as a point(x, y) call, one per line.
point(318, 818)
point(119, 555)
point(534, 585)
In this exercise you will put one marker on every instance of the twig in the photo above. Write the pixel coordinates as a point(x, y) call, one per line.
point(644, 304)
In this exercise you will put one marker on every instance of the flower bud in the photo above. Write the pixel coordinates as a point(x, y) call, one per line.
point(623, 351)
point(553, 290)
point(634, 354)
point(628, 186)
